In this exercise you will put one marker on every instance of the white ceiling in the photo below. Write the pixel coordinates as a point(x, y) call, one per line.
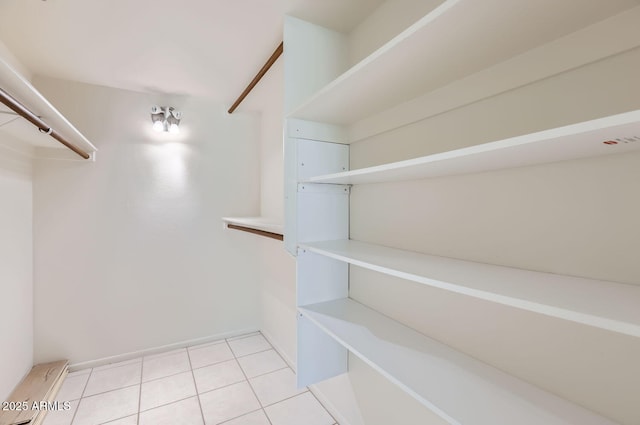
point(209, 48)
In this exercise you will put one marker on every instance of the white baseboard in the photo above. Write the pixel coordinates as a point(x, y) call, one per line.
point(156, 350)
point(331, 408)
point(288, 360)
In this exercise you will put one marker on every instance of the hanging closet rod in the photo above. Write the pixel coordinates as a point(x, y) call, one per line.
point(258, 76)
point(264, 233)
point(21, 110)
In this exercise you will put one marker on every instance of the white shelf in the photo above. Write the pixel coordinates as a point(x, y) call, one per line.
point(22, 90)
point(458, 388)
point(606, 305)
point(456, 39)
point(585, 139)
point(264, 224)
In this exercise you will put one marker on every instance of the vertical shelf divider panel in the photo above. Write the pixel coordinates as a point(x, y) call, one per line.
point(314, 211)
point(319, 279)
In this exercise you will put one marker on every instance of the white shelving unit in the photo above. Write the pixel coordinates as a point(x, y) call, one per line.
point(456, 387)
point(607, 305)
point(460, 52)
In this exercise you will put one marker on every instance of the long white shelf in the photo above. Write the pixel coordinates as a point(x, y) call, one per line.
point(581, 140)
point(607, 305)
point(456, 387)
point(19, 87)
point(456, 39)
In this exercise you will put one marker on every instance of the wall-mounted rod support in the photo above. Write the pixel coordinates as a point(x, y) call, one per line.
point(21, 110)
point(271, 235)
point(258, 76)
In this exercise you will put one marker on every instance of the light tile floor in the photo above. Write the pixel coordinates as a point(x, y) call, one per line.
point(237, 381)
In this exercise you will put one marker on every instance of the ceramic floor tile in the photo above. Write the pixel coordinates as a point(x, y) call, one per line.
point(254, 418)
point(107, 407)
point(129, 420)
point(72, 387)
point(185, 412)
point(113, 379)
point(218, 375)
point(302, 409)
point(261, 363)
point(210, 354)
point(171, 364)
point(276, 386)
point(61, 417)
point(249, 345)
point(167, 390)
point(228, 403)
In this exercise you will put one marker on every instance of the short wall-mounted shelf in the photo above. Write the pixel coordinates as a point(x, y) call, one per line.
point(606, 305)
point(604, 136)
point(257, 225)
point(456, 387)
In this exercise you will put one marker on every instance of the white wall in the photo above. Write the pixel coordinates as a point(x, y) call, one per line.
point(386, 21)
point(130, 251)
point(16, 271)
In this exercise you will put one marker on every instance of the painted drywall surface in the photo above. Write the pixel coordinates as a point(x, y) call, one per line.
point(130, 251)
point(384, 23)
point(575, 217)
point(16, 270)
point(271, 152)
point(384, 403)
point(278, 296)
point(8, 57)
point(602, 88)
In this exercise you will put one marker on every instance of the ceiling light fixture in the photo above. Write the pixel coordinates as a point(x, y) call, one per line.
point(166, 118)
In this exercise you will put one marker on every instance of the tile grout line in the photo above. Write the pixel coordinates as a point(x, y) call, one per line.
point(195, 386)
point(251, 354)
point(249, 383)
point(140, 392)
point(164, 377)
point(267, 373)
point(109, 391)
point(289, 398)
point(73, 418)
point(191, 370)
point(168, 403)
point(325, 409)
point(238, 417)
point(113, 420)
